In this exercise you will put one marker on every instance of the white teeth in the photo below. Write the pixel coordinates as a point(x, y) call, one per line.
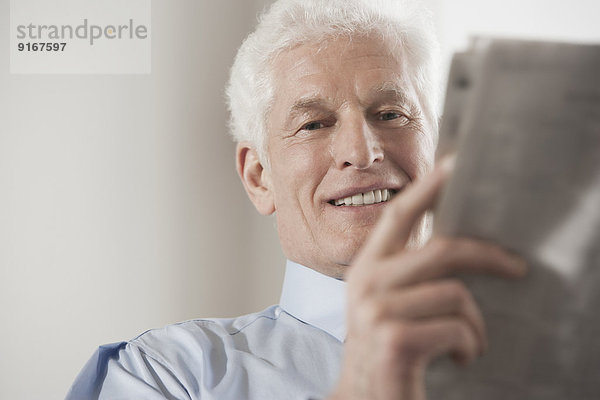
point(372, 197)
point(369, 197)
point(378, 197)
point(357, 199)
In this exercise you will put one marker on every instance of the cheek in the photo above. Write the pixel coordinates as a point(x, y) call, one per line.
point(423, 160)
point(414, 154)
point(299, 168)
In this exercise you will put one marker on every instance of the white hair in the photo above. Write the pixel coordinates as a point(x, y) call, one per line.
point(404, 26)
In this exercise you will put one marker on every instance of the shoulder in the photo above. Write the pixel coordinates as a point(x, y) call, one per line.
point(202, 335)
point(213, 358)
point(170, 361)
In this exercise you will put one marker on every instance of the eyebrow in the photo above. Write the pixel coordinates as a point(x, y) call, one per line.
point(387, 91)
point(307, 103)
point(391, 91)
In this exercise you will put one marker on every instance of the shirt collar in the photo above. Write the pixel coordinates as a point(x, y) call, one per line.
point(314, 298)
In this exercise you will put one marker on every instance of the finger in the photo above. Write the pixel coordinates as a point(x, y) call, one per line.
point(449, 336)
point(417, 343)
point(398, 219)
point(442, 298)
point(444, 257)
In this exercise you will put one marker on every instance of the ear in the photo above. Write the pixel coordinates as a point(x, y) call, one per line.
point(255, 178)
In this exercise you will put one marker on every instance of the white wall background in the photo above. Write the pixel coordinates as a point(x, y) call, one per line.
point(120, 209)
point(458, 20)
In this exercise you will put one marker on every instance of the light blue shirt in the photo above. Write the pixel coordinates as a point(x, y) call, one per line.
point(289, 351)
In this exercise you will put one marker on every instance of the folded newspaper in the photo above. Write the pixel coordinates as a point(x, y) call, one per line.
point(524, 120)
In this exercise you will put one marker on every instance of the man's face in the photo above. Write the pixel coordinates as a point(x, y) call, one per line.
point(345, 123)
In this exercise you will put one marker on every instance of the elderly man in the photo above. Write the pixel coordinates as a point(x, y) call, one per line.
point(333, 106)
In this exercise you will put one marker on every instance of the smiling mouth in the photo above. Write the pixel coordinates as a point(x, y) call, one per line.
point(365, 199)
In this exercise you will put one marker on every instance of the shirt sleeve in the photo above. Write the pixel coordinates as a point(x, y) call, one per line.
point(124, 371)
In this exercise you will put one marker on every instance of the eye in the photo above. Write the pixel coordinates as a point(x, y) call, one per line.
point(311, 126)
point(389, 115)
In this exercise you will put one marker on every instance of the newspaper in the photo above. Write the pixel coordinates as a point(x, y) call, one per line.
point(524, 120)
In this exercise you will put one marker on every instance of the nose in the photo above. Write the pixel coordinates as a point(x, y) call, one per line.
point(356, 144)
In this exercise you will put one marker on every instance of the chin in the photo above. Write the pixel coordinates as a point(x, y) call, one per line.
point(353, 242)
point(346, 254)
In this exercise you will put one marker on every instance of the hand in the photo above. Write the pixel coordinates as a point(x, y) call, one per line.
point(404, 307)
